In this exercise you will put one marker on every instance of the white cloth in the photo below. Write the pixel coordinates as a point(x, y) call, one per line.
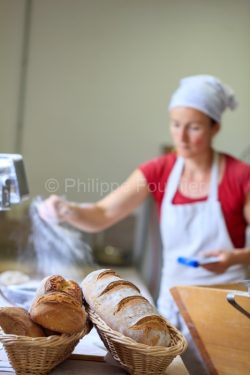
point(188, 230)
point(204, 93)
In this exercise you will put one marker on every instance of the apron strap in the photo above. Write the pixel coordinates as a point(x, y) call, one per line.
point(174, 179)
point(214, 181)
point(175, 176)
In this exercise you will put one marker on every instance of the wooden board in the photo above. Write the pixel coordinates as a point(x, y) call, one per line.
point(221, 332)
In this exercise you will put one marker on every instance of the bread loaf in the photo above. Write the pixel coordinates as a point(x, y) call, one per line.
point(57, 283)
point(58, 306)
point(16, 321)
point(119, 303)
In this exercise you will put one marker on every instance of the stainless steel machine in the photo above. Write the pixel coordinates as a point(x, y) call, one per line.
point(13, 181)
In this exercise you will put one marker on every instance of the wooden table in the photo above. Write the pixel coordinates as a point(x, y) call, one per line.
point(94, 367)
point(72, 367)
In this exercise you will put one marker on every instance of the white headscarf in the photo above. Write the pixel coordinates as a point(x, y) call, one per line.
point(204, 93)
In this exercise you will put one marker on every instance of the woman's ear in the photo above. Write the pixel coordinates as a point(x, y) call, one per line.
point(215, 128)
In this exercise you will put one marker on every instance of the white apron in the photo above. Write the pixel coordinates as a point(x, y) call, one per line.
point(189, 230)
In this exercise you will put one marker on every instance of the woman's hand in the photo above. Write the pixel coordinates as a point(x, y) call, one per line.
point(53, 209)
point(226, 259)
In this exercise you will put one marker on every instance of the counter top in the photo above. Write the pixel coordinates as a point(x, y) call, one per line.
point(70, 367)
point(77, 367)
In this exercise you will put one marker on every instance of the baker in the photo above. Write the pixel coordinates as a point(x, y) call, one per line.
point(202, 196)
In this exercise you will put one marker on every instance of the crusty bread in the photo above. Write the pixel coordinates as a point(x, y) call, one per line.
point(58, 305)
point(16, 321)
point(57, 283)
point(58, 312)
point(119, 303)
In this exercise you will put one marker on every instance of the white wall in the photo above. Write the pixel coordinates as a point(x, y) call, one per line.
point(100, 73)
point(11, 38)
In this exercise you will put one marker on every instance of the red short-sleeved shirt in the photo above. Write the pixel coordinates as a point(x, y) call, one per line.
point(233, 189)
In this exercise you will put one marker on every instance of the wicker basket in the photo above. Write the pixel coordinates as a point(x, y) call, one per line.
point(38, 356)
point(139, 359)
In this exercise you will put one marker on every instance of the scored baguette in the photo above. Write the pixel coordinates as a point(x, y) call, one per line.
point(122, 307)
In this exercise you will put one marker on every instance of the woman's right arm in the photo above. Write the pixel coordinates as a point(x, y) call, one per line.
point(102, 214)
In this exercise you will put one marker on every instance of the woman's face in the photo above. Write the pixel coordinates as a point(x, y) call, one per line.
point(192, 131)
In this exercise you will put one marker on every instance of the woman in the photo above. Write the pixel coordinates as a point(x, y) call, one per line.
point(203, 197)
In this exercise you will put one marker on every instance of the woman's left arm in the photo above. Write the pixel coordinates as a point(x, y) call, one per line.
point(237, 256)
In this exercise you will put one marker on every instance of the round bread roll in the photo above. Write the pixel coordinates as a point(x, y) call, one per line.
point(59, 312)
point(58, 305)
point(119, 303)
point(57, 283)
point(16, 321)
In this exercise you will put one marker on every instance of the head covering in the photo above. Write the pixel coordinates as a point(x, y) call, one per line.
point(204, 93)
